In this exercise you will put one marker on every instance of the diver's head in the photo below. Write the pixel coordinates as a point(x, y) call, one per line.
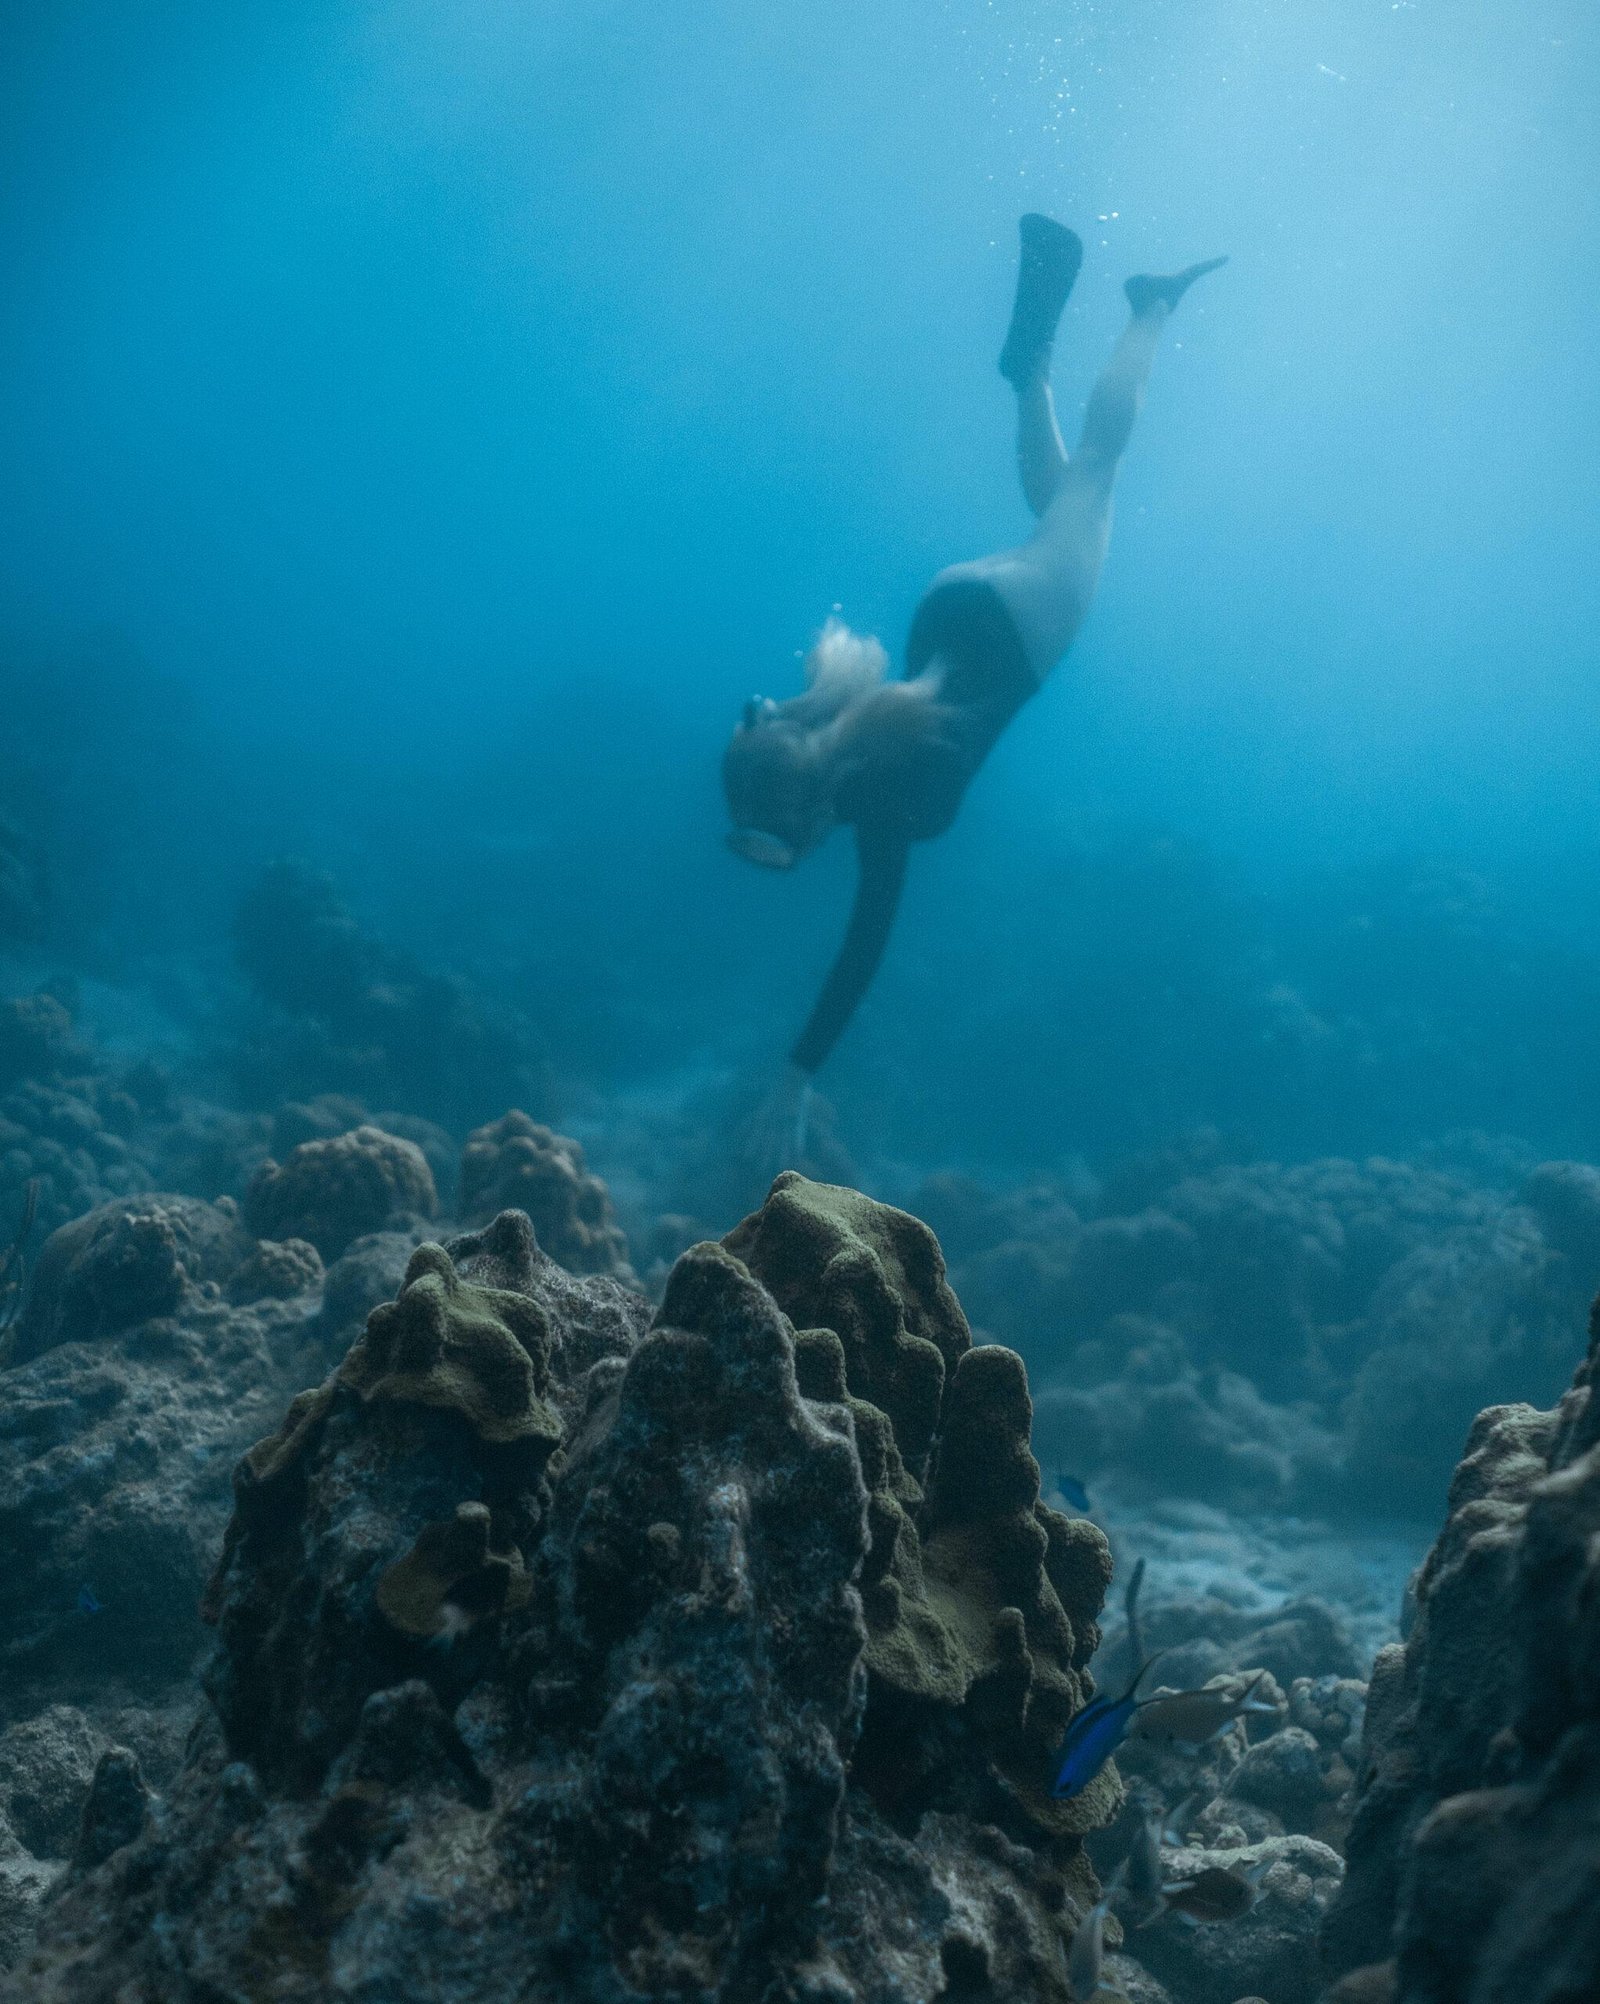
point(779, 769)
point(776, 787)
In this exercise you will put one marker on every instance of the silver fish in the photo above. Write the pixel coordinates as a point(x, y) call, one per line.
point(1195, 1718)
point(1087, 1956)
point(1142, 1869)
point(1217, 1893)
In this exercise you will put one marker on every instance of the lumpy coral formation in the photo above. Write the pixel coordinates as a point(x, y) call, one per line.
point(124, 1263)
point(332, 1191)
point(342, 1008)
point(980, 1602)
point(1475, 1851)
point(515, 1164)
point(1313, 1336)
point(439, 1424)
point(565, 1650)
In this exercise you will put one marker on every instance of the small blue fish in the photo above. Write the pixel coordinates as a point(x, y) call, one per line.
point(87, 1604)
point(1072, 1491)
point(1094, 1734)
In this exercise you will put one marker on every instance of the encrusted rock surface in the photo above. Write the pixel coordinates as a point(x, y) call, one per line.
point(124, 1263)
point(1269, 1951)
point(1474, 1857)
point(567, 1649)
point(335, 1190)
point(1304, 1337)
point(515, 1164)
point(115, 1443)
point(567, 1652)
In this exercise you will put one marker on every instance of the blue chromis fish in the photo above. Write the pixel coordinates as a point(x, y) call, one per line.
point(1095, 1732)
point(87, 1604)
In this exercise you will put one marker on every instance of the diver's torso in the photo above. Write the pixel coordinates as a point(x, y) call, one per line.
point(963, 631)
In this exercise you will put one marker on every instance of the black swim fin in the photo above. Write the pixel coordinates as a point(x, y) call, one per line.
point(1144, 291)
point(1051, 254)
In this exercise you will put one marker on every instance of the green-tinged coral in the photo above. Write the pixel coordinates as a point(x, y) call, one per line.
point(411, 1483)
point(751, 1688)
point(514, 1163)
point(453, 1575)
point(980, 1603)
point(834, 1259)
point(480, 1351)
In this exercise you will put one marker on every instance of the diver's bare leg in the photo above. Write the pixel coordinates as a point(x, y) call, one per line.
point(1069, 545)
point(1048, 265)
point(1118, 394)
point(1047, 584)
point(1116, 398)
point(1041, 456)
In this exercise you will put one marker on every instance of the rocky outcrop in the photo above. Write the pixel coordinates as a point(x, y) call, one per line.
point(140, 1386)
point(1311, 1337)
point(125, 1263)
point(1474, 1853)
point(340, 1009)
point(331, 1192)
point(1270, 1950)
point(569, 1652)
point(514, 1164)
point(980, 1603)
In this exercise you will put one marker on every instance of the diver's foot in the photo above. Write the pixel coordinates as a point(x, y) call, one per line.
point(1051, 254)
point(1144, 291)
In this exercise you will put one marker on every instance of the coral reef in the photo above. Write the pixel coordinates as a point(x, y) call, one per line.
point(573, 1651)
point(1270, 1951)
point(341, 1010)
point(277, 1269)
point(1474, 1851)
point(566, 1647)
point(514, 1164)
point(330, 1192)
point(67, 1121)
point(125, 1263)
point(135, 1383)
point(1315, 1336)
point(369, 1270)
point(46, 1765)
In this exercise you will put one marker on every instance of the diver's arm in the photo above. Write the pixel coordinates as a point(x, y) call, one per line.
point(883, 875)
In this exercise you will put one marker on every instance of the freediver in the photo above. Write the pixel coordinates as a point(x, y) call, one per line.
point(892, 759)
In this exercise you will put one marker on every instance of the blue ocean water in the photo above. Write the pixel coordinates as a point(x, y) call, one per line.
point(427, 423)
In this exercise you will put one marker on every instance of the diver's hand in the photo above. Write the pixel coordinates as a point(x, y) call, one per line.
point(778, 1135)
